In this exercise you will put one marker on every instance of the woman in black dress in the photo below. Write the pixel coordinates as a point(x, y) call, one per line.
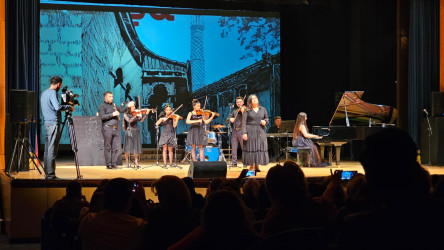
point(196, 134)
point(254, 122)
point(168, 136)
point(302, 138)
point(132, 143)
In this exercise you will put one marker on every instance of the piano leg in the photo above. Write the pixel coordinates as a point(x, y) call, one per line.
point(330, 154)
point(322, 150)
point(338, 155)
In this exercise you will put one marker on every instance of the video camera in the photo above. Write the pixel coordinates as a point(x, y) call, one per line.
point(69, 98)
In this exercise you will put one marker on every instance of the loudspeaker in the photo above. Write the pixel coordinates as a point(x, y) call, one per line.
point(207, 169)
point(437, 103)
point(436, 141)
point(18, 105)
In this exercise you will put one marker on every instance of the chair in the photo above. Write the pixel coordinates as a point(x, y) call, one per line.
point(302, 154)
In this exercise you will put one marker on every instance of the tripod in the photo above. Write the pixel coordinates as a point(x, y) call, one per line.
point(430, 135)
point(72, 139)
point(17, 153)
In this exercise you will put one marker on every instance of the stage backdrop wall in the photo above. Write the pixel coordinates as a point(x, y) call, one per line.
point(161, 56)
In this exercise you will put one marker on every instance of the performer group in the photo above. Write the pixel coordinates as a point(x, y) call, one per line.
point(248, 125)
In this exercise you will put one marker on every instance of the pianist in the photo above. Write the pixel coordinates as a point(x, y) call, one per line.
point(302, 138)
point(273, 143)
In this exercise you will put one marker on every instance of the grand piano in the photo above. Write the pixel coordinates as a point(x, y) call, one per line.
point(353, 119)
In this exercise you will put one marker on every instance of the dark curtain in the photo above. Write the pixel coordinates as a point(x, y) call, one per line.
point(423, 60)
point(22, 51)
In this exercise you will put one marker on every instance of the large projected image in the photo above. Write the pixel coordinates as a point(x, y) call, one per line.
point(159, 58)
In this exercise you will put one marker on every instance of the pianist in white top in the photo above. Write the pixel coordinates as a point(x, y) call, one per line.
point(302, 138)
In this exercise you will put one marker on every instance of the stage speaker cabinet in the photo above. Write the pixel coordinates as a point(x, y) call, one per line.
point(437, 104)
point(436, 141)
point(18, 106)
point(207, 169)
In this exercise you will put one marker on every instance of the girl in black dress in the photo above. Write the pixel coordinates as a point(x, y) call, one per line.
point(168, 136)
point(132, 141)
point(302, 138)
point(254, 122)
point(196, 134)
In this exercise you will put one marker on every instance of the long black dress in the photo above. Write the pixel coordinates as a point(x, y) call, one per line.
point(132, 143)
point(168, 134)
point(301, 141)
point(255, 150)
point(196, 134)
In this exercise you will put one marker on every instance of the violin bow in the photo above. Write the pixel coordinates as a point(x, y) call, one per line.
point(175, 111)
point(240, 107)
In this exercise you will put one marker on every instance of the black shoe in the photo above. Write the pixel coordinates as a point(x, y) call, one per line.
point(52, 178)
point(113, 167)
point(109, 167)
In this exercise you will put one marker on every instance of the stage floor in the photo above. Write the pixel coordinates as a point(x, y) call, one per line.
point(149, 170)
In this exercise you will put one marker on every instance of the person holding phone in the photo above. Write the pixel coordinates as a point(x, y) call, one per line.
point(254, 121)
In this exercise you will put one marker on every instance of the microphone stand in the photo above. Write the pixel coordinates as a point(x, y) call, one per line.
point(175, 149)
point(229, 140)
point(430, 135)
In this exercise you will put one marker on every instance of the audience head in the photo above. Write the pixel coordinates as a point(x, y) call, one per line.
point(391, 169)
point(214, 184)
point(286, 183)
point(230, 185)
point(190, 184)
point(251, 188)
point(225, 213)
point(118, 193)
point(173, 193)
point(74, 190)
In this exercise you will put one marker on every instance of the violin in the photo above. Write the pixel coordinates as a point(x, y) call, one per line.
point(174, 116)
point(142, 111)
point(207, 112)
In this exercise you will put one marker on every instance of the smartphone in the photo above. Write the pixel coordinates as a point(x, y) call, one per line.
point(347, 175)
point(251, 173)
point(135, 184)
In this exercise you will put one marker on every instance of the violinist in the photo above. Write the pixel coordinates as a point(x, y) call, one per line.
point(236, 135)
point(168, 135)
point(196, 134)
point(132, 142)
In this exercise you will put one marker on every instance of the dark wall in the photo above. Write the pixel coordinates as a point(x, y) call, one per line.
point(333, 47)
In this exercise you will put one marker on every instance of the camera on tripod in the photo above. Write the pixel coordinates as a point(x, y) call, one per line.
point(69, 98)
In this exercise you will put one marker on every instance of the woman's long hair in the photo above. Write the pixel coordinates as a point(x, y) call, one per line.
point(300, 120)
point(249, 102)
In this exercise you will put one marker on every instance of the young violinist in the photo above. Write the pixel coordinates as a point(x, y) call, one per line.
point(132, 141)
point(196, 134)
point(168, 135)
point(254, 121)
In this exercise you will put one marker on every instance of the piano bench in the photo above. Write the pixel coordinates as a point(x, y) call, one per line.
point(302, 154)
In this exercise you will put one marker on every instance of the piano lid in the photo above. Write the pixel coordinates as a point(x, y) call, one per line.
point(360, 112)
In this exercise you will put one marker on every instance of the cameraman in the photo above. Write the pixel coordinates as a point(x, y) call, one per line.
point(51, 115)
point(109, 114)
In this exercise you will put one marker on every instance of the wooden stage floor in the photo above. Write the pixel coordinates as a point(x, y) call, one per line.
point(66, 170)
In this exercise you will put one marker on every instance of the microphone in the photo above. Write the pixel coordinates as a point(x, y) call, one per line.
point(425, 111)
